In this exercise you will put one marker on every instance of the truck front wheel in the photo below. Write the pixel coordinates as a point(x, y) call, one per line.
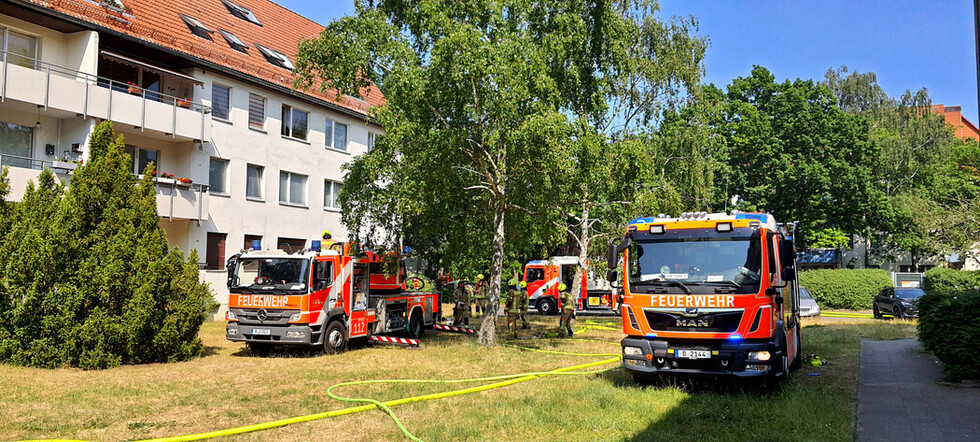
point(334, 339)
point(547, 306)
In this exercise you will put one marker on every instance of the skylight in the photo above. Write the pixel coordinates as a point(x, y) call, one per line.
point(241, 12)
point(233, 41)
point(197, 28)
point(275, 57)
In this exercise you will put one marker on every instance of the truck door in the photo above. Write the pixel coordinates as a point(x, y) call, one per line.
point(534, 276)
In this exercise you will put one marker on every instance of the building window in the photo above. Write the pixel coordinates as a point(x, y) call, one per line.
point(196, 27)
point(294, 122)
point(218, 176)
point(275, 57)
point(372, 138)
point(216, 251)
point(21, 48)
point(331, 195)
point(16, 144)
point(335, 135)
point(220, 101)
point(253, 184)
point(292, 188)
point(249, 239)
point(140, 158)
point(241, 12)
point(256, 111)
point(233, 41)
point(290, 245)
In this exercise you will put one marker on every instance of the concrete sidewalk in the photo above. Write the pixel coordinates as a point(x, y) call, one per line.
point(899, 398)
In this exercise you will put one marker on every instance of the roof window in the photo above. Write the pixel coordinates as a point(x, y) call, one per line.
point(241, 12)
point(233, 41)
point(275, 57)
point(197, 28)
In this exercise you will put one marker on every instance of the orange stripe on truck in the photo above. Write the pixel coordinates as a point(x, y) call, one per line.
point(264, 301)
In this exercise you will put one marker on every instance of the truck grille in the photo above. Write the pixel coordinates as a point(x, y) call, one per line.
point(273, 317)
point(712, 322)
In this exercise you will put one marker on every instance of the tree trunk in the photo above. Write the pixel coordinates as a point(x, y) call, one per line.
point(488, 330)
point(583, 254)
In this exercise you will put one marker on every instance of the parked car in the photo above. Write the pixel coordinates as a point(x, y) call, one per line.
point(808, 305)
point(900, 302)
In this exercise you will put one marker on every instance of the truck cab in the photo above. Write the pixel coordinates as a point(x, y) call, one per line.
point(544, 276)
point(708, 294)
point(319, 298)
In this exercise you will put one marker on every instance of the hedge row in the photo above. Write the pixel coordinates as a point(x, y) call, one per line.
point(948, 327)
point(853, 289)
point(943, 281)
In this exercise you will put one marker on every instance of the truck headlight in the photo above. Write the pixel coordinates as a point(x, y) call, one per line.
point(295, 334)
point(759, 355)
point(632, 351)
point(230, 315)
point(232, 331)
point(295, 317)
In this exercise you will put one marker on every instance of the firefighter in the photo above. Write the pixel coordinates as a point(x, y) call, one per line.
point(327, 240)
point(567, 313)
point(525, 302)
point(513, 307)
point(461, 314)
point(481, 295)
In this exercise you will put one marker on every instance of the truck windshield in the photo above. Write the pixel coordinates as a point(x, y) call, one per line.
point(711, 261)
point(276, 274)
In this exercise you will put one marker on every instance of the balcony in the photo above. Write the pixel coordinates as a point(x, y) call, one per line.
point(176, 201)
point(55, 87)
point(25, 169)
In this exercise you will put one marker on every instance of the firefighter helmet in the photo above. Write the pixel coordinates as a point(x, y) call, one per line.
point(513, 281)
point(327, 235)
point(561, 287)
point(523, 284)
point(479, 277)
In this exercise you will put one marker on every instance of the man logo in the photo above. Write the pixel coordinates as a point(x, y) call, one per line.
point(262, 314)
point(691, 311)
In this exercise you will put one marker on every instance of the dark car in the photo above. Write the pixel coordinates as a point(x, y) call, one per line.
point(900, 302)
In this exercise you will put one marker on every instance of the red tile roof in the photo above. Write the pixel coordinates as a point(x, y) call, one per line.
point(962, 127)
point(157, 22)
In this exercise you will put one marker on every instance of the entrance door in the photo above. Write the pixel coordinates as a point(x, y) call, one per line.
point(216, 251)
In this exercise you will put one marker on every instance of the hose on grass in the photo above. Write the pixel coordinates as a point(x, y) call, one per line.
point(501, 381)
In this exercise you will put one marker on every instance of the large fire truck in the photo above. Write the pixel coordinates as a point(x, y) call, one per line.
point(708, 294)
point(321, 298)
point(544, 276)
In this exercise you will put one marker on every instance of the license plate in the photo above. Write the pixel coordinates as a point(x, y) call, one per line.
point(261, 331)
point(694, 354)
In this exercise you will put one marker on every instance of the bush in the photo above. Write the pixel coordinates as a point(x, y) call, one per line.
point(853, 289)
point(948, 327)
point(86, 278)
point(943, 281)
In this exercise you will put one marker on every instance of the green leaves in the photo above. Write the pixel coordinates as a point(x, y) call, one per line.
point(87, 278)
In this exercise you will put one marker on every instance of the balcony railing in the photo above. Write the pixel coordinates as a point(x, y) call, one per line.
point(92, 95)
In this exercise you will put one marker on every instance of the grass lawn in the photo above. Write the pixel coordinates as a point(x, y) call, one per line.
point(230, 388)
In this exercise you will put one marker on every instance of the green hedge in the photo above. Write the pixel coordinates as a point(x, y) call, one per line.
point(942, 281)
point(853, 289)
point(948, 327)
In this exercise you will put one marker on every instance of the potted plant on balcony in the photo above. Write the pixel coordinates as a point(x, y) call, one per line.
point(184, 103)
point(64, 164)
point(184, 182)
point(165, 178)
point(134, 88)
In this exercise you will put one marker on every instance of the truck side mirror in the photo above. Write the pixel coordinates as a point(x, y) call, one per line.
point(610, 258)
point(787, 252)
point(230, 266)
point(611, 276)
point(789, 274)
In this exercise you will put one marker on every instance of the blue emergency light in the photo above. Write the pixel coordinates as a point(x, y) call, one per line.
point(406, 250)
point(735, 337)
point(256, 244)
point(315, 245)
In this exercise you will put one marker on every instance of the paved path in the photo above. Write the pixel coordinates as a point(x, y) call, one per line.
point(899, 398)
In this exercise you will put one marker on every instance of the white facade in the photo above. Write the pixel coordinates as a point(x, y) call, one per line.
point(64, 94)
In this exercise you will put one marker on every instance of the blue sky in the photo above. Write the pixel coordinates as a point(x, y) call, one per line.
point(908, 44)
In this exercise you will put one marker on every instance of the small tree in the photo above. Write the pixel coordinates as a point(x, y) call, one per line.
point(88, 278)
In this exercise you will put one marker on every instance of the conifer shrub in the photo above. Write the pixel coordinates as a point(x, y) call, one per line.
point(87, 278)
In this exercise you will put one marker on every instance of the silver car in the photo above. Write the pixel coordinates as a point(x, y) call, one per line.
point(808, 305)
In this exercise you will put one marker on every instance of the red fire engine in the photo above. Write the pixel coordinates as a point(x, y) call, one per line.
point(543, 278)
point(713, 294)
point(320, 298)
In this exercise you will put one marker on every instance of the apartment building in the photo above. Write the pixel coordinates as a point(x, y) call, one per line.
point(201, 88)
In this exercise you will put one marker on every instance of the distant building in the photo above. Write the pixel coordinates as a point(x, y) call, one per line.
point(963, 128)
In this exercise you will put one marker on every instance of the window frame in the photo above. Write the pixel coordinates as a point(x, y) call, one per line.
point(275, 57)
point(226, 191)
point(265, 111)
point(243, 12)
point(233, 41)
point(261, 182)
point(288, 192)
point(291, 126)
point(330, 137)
point(372, 140)
point(196, 27)
point(5, 46)
point(328, 192)
point(136, 159)
point(214, 115)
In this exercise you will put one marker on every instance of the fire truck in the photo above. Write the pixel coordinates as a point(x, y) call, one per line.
point(543, 278)
point(708, 294)
point(321, 298)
